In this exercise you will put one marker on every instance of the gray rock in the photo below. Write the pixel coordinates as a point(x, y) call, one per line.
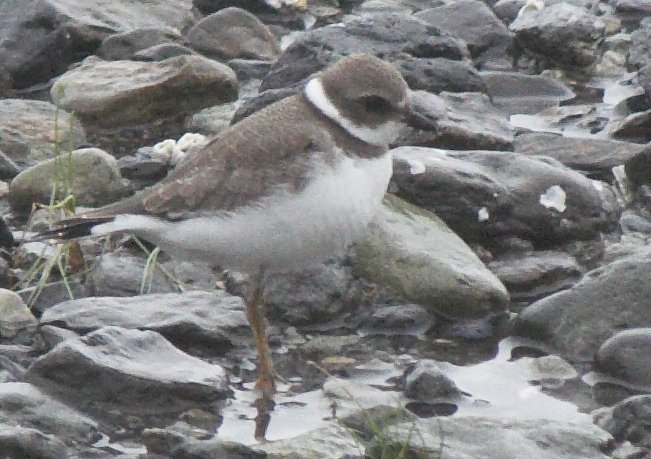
point(378, 34)
point(54, 335)
point(162, 52)
point(171, 443)
point(533, 275)
point(463, 121)
point(507, 10)
point(470, 437)
point(635, 127)
point(119, 93)
point(427, 382)
point(403, 319)
point(120, 273)
point(517, 93)
point(640, 48)
point(233, 33)
point(627, 355)
point(249, 69)
point(52, 293)
point(128, 368)
point(8, 168)
point(475, 23)
point(186, 319)
point(15, 316)
point(333, 441)
point(579, 320)
point(414, 253)
point(123, 46)
point(561, 32)
point(17, 442)
point(596, 157)
point(438, 74)
point(213, 120)
point(25, 405)
point(485, 196)
point(91, 174)
point(141, 167)
point(631, 222)
point(633, 10)
point(40, 39)
point(29, 130)
point(627, 420)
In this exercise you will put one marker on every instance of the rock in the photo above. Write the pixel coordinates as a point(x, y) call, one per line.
point(415, 254)
point(507, 10)
point(595, 157)
point(427, 382)
point(631, 222)
point(533, 275)
point(546, 369)
point(311, 295)
point(475, 23)
point(636, 167)
point(456, 120)
point(438, 74)
point(640, 48)
point(233, 33)
point(130, 369)
point(121, 273)
point(162, 52)
point(141, 167)
point(321, 347)
point(561, 32)
point(187, 319)
point(635, 127)
point(212, 121)
point(333, 441)
point(485, 196)
point(52, 293)
point(403, 319)
point(123, 46)
point(578, 321)
point(517, 93)
point(249, 69)
point(626, 355)
point(21, 442)
point(90, 174)
point(633, 10)
point(40, 39)
point(468, 436)
point(15, 316)
point(170, 443)
point(8, 168)
point(25, 405)
point(378, 34)
point(119, 93)
point(30, 130)
point(627, 420)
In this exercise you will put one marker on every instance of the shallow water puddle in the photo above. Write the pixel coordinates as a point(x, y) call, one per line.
point(497, 388)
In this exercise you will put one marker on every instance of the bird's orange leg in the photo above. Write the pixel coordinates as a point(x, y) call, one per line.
point(255, 312)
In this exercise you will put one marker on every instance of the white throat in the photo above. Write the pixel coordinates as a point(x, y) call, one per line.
point(380, 136)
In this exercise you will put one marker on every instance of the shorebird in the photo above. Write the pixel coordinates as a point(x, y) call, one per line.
point(286, 188)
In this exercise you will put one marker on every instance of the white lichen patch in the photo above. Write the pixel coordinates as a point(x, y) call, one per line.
point(483, 215)
point(415, 167)
point(554, 198)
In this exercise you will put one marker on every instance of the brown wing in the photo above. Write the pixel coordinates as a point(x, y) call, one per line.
point(264, 152)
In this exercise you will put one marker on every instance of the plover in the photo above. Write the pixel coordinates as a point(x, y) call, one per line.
point(288, 187)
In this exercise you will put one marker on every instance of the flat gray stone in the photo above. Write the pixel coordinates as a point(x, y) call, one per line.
point(627, 355)
point(133, 369)
point(120, 93)
point(576, 322)
point(186, 319)
point(29, 128)
point(23, 442)
point(15, 316)
point(26, 405)
point(413, 252)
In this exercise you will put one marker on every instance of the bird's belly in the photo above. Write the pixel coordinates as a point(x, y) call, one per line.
point(290, 231)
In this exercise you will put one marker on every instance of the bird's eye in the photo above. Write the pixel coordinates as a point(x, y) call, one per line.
point(375, 104)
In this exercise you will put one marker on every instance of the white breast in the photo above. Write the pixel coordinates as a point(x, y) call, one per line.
point(288, 231)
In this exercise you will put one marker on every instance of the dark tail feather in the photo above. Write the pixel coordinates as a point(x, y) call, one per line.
point(70, 229)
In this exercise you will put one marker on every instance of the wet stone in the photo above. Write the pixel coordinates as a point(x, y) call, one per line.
point(23, 442)
point(463, 121)
point(189, 320)
point(439, 75)
point(233, 33)
point(412, 252)
point(15, 316)
point(128, 368)
point(613, 297)
point(627, 420)
point(627, 355)
point(403, 319)
point(24, 404)
point(161, 52)
point(427, 382)
point(123, 46)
